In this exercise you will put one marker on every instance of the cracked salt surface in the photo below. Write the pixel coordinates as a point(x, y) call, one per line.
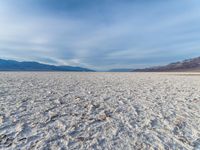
point(99, 111)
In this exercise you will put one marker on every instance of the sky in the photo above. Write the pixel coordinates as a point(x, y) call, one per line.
point(100, 34)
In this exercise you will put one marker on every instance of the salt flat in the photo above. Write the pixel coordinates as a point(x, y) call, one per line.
point(99, 110)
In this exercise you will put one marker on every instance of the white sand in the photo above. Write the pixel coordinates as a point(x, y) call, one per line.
point(99, 111)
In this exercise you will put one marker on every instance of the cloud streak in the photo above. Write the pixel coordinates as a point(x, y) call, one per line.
point(100, 34)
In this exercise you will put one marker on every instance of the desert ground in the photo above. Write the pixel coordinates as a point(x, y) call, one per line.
point(66, 110)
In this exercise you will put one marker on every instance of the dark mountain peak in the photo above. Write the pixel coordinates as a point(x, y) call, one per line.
point(12, 65)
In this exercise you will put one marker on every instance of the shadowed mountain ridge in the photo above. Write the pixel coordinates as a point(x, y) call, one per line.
point(12, 65)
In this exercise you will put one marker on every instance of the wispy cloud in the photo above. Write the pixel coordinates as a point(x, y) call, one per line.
point(100, 34)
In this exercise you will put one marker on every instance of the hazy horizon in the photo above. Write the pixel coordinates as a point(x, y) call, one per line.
point(100, 35)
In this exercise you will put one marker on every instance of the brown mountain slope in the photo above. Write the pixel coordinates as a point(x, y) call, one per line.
point(186, 65)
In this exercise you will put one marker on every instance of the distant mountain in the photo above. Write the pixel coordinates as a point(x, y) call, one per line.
point(186, 65)
point(11, 65)
point(120, 70)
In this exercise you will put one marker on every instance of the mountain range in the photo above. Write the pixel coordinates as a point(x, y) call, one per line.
point(12, 65)
point(120, 70)
point(186, 65)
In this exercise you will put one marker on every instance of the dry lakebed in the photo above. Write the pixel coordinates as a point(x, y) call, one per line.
point(71, 110)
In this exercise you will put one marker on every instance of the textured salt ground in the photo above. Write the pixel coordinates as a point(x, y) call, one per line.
point(99, 111)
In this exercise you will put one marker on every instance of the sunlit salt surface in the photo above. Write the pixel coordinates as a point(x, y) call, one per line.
point(99, 111)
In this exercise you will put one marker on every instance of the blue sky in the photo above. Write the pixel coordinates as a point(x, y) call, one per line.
point(100, 34)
